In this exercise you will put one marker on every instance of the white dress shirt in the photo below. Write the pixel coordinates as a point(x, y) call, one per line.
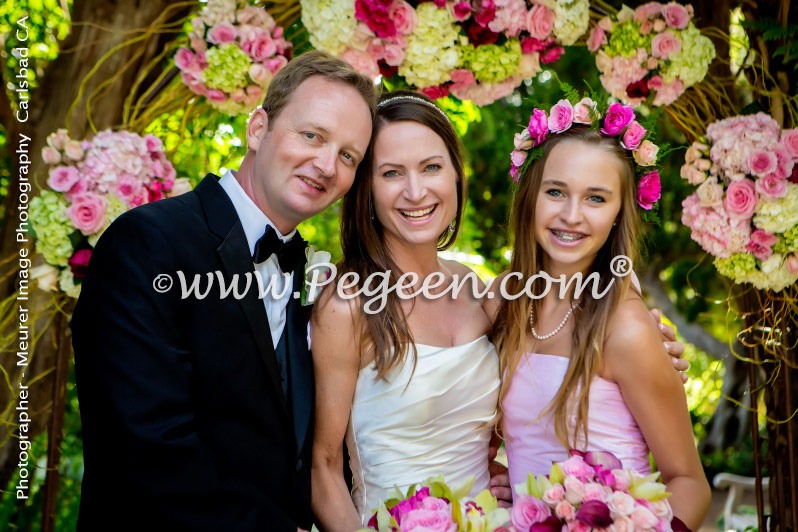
point(254, 222)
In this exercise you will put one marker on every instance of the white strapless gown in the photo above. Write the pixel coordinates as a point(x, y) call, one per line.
point(439, 424)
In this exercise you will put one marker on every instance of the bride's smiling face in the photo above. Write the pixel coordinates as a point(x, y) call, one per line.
point(414, 183)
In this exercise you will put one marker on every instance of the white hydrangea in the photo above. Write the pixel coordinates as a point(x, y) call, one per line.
point(571, 20)
point(330, 23)
point(66, 282)
point(217, 11)
point(433, 49)
point(778, 215)
point(774, 275)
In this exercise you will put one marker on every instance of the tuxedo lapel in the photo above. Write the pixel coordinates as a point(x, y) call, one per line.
point(236, 259)
point(300, 362)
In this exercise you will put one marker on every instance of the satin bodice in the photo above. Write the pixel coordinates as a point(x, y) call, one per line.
point(403, 430)
point(529, 436)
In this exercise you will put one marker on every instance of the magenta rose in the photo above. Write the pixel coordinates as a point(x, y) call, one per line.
point(538, 126)
point(479, 35)
point(527, 511)
point(741, 199)
point(87, 212)
point(222, 33)
point(404, 17)
point(62, 178)
point(79, 263)
point(665, 44)
point(551, 55)
point(561, 116)
point(486, 13)
point(675, 15)
point(438, 91)
point(772, 186)
point(618, 117)
point(540, 21)
point(648, 190)
point(789, 139)
point(461, 10)
point(762, 162)
point(633, 136)
point(530, 44)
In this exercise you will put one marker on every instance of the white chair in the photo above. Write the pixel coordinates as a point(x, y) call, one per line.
point(737, 485)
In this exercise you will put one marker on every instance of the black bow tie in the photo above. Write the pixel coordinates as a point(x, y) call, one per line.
point(289, 254)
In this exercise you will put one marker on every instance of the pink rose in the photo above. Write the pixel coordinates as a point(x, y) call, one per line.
point(62, 178)
point(404, 17)
point(259, 73)
point(522, 140)
point(648, 190)
point(73, 150)
point(238, 96)
point(675, 15)
point(275, 63)
point(254, 95)
point(584, 111)
point(622, 479)
point(87, 212)
point(758, 251)
point(596, 39)
point(659, 25)
point(518, 157)
point(222, 33)
point(564, 510)
point(741, 199)
point(646, 153)
point(772, 186)
point(622, 524)
point(538, 126)
point(127, 188)
point(621, 502)
point(577, 467)
point(633, 136)
point(618, 117)
point(784, 160)
point(58, 139)
point(362, 62)
point(80, 187)
point(662, 509)
point(394, 55)
point(180, 186)
point(428, 521)
point(574, 489)
point(642, 517)
point(792, 263)
point(710, 193)
point(153, 143)
point(646, 27)
point(665, 44)
point(605, 24)
point(762, 162)
point(561, 116)
point(51, 155)
point(554, 494)
point(596, 492)
point(789, 139)
point(539, 21)
point(527, 511)
point(647, 11)
point(185, 58)
point(215, 95)
point(434, 503)
point(376, 48)
point(262, 48)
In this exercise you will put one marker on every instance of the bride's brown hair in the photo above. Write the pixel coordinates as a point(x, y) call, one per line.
point(591, 316)
point(387, 333)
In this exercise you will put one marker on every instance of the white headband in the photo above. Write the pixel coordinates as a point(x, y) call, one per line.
point(420, 100)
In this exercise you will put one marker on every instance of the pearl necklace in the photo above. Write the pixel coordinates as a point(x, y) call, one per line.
point(552, 333)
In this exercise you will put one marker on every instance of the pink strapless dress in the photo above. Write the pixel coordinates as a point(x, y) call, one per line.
point(529, 438)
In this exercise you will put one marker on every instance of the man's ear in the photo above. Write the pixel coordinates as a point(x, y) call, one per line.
point(257, 126)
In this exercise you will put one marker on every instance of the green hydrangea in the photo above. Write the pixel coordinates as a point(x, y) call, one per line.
point(433, 49)
point(626, 38)
point(227, 69)
point(52, 227)
point(491, 63)
point(778, 215)
point(736, 267)
point(690, 64)
point(788, 241)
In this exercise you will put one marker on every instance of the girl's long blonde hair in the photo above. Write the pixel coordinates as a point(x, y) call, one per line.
point(591, 317)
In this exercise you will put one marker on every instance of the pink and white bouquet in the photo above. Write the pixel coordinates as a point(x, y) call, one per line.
point(745, 209)
point(90, 184)
point(235, 50)
point(650, 54)
point(433, 506)
point(591, 491)
point(478, 50)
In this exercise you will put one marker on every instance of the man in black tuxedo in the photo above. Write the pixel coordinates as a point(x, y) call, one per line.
point(197, 411)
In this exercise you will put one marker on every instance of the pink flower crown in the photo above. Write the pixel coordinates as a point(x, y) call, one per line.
point(619, 121)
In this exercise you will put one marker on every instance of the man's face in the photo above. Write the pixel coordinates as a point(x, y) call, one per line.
point(307, 159)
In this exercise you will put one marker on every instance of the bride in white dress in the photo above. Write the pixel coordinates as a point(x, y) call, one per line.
point(413, 388)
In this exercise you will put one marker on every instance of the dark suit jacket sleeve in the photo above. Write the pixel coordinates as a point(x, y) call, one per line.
point(134, 385)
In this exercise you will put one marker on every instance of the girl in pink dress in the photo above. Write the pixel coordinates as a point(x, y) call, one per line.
point(584, 371)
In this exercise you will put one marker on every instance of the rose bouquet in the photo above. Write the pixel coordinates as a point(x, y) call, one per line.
point(90, 184)
point(477, 50)
point(434, 506)
point(235, 50)
point(591, 491)
point(651, 54)
point(745, 209)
